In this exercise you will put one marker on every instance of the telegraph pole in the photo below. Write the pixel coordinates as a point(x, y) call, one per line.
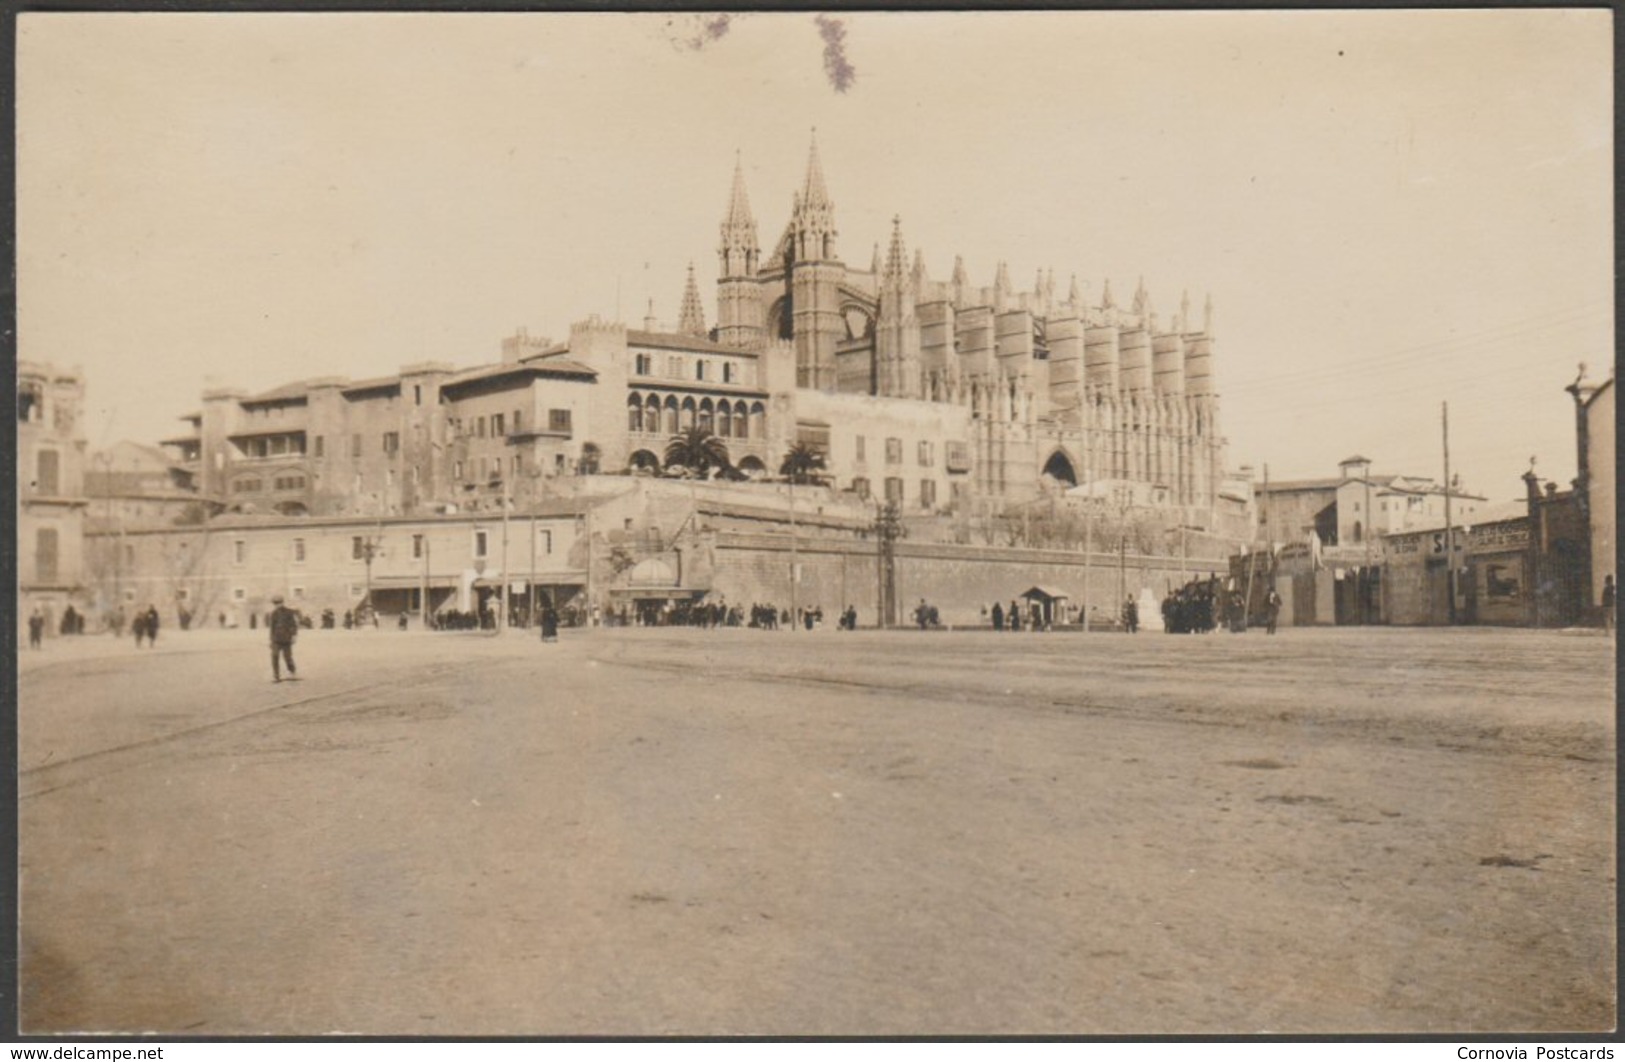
point(795, 576)
point(502, 591)
point(1449, 529)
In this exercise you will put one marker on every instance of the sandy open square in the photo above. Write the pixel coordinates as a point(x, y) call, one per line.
point(736, 832)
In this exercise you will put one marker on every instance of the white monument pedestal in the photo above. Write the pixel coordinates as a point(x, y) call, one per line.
point(1150, 610)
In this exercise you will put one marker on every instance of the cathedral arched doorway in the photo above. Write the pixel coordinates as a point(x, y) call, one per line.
point(1060, 469)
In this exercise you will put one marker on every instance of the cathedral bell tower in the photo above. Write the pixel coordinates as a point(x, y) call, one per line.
point(739, 298)
point(815, 273)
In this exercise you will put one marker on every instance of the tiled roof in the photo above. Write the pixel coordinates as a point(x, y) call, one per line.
point(676, 341)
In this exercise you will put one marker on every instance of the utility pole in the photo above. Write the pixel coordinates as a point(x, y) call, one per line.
point(1365, 575)
point(888, 529)
point(1449, 529)
point(371, 547)
point(423, 602)
point(795, 575)
point(502, 591)
point(1088, 549)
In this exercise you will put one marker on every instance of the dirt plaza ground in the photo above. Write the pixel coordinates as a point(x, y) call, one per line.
point(735, 832)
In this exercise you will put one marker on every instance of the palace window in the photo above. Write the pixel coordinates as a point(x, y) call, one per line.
point(928, 493)
point(45, 552)
point(558, 420)
point(858, 449)
point(860, 487)
point(699, 370)
point(894, 451)
point(417, 547)
point(498, 425)
point(643, 365)
point(894, 489)
point(728, 373)
point(239, 551)
point(47, 480)
point(357, 547)
point(392, 441)
point(30, 402)
point(321, 445)
point(544, 542)
point(480, 544)
point(299, 551)
point(925, 453)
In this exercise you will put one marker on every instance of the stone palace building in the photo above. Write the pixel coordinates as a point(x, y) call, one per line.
point(940, 396)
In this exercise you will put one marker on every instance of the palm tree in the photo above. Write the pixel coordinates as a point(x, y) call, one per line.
point(697, 450)
point(803, 463)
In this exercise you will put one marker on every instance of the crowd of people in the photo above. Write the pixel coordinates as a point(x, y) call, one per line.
point(1200, 606)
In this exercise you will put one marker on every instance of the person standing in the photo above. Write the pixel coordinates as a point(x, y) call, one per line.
point(138, 627)
point(1609, 595)
point(284, 628)
point(36, 628)
point(1272, 610)
point(1131, 615)
point(152, 626)
point(550, 624)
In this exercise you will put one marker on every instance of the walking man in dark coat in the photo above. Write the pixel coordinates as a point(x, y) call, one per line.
point(284, 627)
point(152, 625)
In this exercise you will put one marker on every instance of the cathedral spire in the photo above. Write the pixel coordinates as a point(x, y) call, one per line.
point(691, 321)
point(1074, 297)
point(960, 278)
point(897, 253)
point(738, 249)
point(1106, 302)
point(738, 199)
point(1141, 300)
point(812, 219)
point(920, 277)
point(874, 262)
point(813, 192)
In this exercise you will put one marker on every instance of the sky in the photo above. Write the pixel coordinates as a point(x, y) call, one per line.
point(1391, 210)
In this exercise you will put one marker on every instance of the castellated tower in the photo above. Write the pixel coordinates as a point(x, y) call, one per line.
point(897, 334)
point(740, 320)
point(815, 276)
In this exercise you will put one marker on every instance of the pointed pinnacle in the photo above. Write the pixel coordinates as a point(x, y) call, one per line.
point(896, 254)
point(814, 194)
point(691, 320)
point(739, 200)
